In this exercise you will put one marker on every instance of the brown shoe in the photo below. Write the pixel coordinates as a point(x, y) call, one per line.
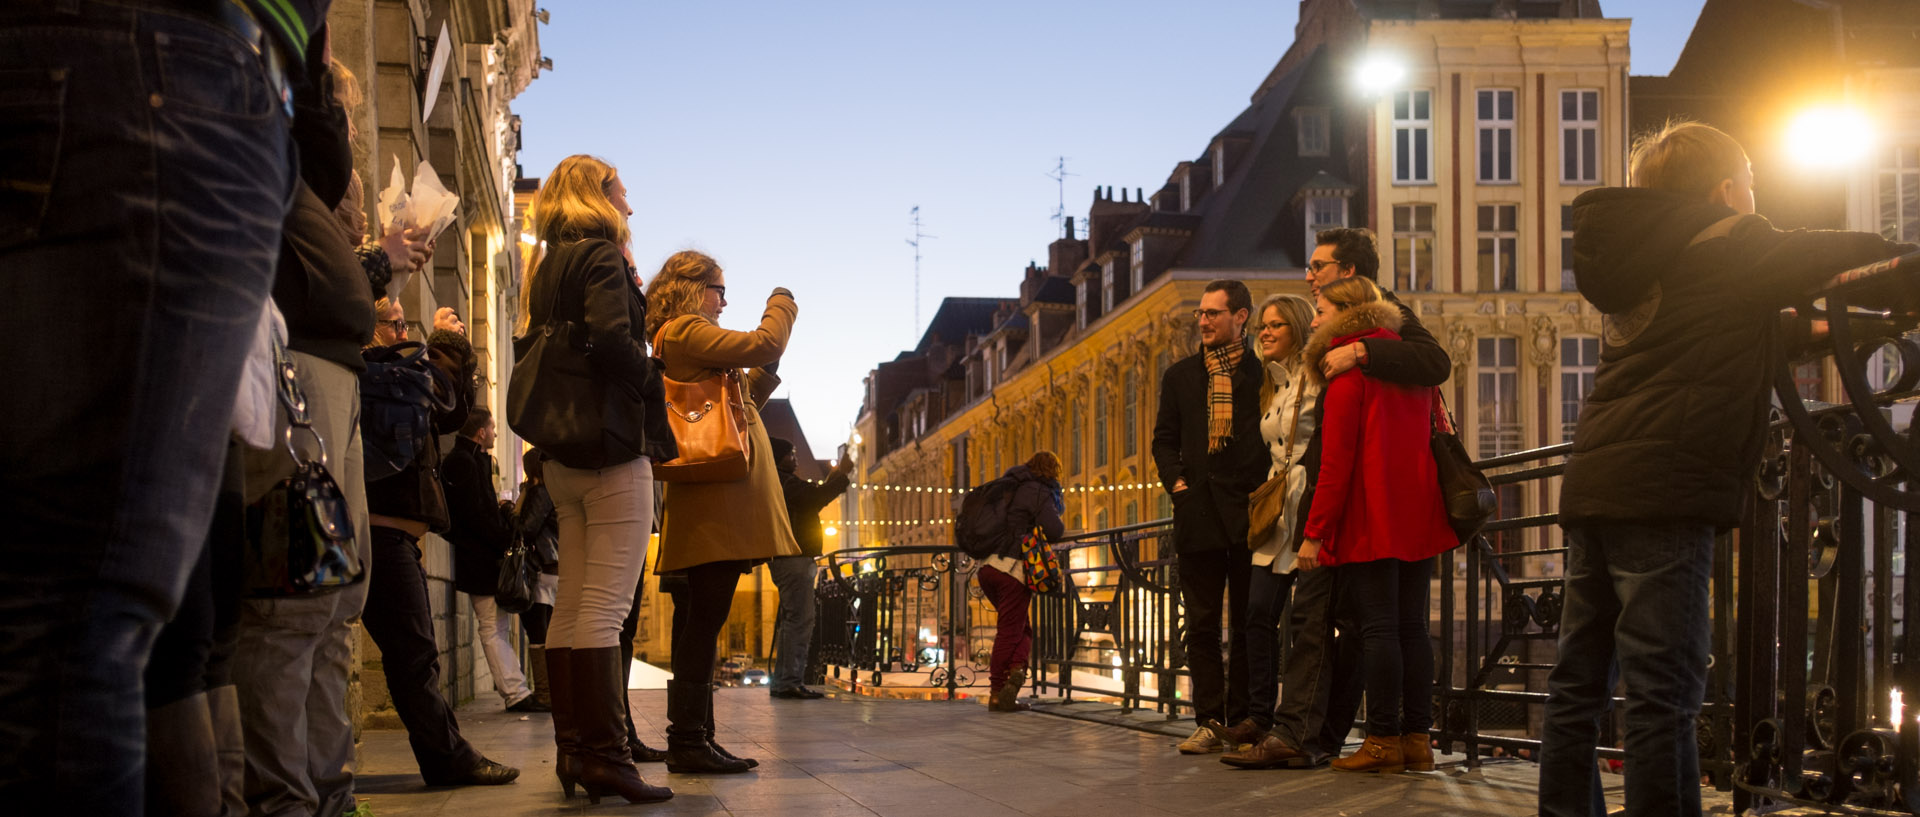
point(1416, 750)
point(1245, 733)
point(1270, 753)
point(1380, 753)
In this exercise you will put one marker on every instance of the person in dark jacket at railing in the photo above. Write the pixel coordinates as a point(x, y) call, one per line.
point(794, 575)
point(1664, 456)
point(480, 537)
point(1036, 505)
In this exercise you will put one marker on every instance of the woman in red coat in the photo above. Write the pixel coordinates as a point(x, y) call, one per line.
point(1378, 517)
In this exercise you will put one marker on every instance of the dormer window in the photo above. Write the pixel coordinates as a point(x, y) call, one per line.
point(1186, 192)
point(1314, 130)
point(1139, 264)
point(1106, 287)
point(1324, 213)
point(1219, 163)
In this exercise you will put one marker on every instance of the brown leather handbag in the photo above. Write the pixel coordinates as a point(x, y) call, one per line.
point(1270, 499)
point(709, 421)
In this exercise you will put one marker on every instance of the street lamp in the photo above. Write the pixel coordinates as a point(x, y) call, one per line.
point(1380, 73)
point(1829, 137)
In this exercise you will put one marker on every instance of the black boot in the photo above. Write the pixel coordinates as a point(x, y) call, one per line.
point(566, 731)
point(605, 766)
point(688, 749)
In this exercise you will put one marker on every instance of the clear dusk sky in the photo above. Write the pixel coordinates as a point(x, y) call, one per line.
point(791, 140)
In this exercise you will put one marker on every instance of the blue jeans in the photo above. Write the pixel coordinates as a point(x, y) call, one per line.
point(794, 576)
point(144, 173)
point(1266, 599)
point(1636, 607)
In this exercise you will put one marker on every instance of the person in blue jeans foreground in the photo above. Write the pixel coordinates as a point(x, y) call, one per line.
point(1691, 281)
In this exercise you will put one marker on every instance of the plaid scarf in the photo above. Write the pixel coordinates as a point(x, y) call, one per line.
point(1221, 362)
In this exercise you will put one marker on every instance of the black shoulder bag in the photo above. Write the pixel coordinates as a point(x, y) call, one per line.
point(302, 534)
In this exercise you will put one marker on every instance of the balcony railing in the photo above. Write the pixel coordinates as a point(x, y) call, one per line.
point(1811, 651)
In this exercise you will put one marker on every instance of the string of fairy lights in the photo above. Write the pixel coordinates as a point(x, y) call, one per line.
point(879, 487)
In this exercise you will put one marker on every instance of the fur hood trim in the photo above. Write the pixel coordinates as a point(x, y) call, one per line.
point(1353, 321)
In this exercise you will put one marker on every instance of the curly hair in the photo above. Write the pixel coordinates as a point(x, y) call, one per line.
point(680, 288)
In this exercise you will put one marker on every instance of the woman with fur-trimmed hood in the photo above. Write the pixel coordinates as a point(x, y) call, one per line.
point(1378, 515)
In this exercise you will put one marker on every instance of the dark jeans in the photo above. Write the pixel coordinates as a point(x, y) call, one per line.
point(1266, 601)
point(1219, 692)
point(144, 171)
point(700, 607)
point(400, 619)
point(794, 575)
point(1388, 597)
point(1636, 608)
point(1013, 637)
point(534, 621)
point(1306, 682)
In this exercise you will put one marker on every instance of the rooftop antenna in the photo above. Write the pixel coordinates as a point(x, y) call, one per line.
point(915, 242)
point(1059, 176)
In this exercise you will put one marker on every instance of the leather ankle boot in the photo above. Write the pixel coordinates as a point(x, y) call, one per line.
point(1416, 750)
point(688, 749)
point(1380, 753)
point(1270, 752)
point(1007, 697)
point(605, 763)
point(566, 732)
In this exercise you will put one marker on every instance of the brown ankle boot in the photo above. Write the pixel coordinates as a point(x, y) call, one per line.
point(1416, 750)
point(1380, 753)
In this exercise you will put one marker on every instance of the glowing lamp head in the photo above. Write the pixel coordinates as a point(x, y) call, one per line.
point(1380, 73)
point(1829, 137)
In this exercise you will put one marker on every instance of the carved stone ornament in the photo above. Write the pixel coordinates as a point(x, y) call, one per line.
point(1546, 345)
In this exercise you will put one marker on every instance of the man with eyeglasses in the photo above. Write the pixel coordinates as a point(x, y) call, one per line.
point(1207, 448)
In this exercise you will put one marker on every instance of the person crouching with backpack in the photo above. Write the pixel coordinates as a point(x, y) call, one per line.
point(404, 505)
point(1036, 503)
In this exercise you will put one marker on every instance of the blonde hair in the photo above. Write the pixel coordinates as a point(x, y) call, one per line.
point(1350, 292)
point(680, 288)
point(573, 204)
point(1685, 157)
point(1298, 313)
point(346, 87)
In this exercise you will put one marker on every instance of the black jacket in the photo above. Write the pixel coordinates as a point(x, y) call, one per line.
point(1416, 359)
point(1673, 428)
point(537, 524)
point(415, 492)
point(321, 286)
point(1032, 506)
point(588, 285)
point(1212, 513)
point(804, 502)
point(478, 532)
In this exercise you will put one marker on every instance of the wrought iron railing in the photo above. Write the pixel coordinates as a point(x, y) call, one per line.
point(1809, 597)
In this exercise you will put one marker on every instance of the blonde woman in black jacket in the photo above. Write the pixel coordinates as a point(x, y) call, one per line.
point(601, 482)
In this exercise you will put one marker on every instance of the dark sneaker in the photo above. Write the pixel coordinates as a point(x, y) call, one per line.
point(531, 703)
point(796, 694)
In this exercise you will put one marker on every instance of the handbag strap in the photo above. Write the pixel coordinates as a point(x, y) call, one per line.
point(1293, 426)
point(293, 401)
point(1442, 419)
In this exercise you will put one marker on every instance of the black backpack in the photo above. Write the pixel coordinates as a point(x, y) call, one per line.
point(396, 407)
point(981, 527)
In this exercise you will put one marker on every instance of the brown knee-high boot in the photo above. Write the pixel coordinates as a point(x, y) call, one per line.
point(605, 763)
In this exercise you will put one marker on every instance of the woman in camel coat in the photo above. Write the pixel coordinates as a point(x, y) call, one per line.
point(714, 531)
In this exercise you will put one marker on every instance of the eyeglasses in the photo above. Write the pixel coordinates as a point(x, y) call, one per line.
point(720, 289)
point(1208, 314)
point(1316, 266)
point(399, 327)
point(1275, 326)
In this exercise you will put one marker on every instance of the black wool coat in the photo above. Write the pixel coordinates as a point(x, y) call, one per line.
point(479, 532)
point(1212, 513)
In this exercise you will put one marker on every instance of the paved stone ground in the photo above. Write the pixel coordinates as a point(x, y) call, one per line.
point(848, 755)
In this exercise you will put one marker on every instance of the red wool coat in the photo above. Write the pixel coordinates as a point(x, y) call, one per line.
point(1378, 496)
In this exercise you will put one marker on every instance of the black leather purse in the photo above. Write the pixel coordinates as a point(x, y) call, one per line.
point(301, 534)
point(513, 591)
point(556, 400)
point(1464, 489)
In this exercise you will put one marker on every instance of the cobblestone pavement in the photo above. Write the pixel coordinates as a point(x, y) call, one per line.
point(849, 755)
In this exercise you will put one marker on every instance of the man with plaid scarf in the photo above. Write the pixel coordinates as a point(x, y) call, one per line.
point(1207, 447)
